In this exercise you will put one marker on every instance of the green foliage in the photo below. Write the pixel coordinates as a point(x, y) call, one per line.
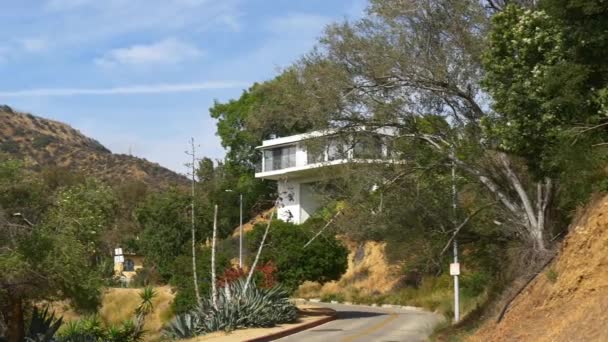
point(86, 212)
point(146, 306)
point(144, 277)
point(551, 275)
point(10, 146)
point(323, 260)
point(524, 47)
point(185, 299)
point(42, 141)
point(543, 81)
point(236, 308)
point(164, 219)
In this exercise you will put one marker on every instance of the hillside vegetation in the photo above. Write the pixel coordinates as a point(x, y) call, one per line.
point(44, 143)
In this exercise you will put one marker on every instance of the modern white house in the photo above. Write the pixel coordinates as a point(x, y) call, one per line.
point(296, 162)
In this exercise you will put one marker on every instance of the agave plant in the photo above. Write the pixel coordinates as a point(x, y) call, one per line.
point(236, 307)
point(182, 326)
point(43, 325)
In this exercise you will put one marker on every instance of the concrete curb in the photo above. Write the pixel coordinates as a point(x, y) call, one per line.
point(297, 329)
point(372, 305)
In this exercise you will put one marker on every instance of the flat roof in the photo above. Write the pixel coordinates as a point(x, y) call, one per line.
point(315, 134)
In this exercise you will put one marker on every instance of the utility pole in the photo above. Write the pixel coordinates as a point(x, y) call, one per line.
point(455, 266)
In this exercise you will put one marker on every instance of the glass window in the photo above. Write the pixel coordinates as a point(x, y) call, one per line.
point(129, 265)
point(280, 158)
point(369, 147)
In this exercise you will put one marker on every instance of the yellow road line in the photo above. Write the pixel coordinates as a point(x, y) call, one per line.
point(371, 329)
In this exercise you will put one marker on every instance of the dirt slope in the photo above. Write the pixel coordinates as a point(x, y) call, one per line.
point(368, 273)
point(569, 300)
point(47, 143)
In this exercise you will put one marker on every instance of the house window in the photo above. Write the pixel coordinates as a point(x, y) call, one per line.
point(129, 265)
point(369, 146)
point(280, 158)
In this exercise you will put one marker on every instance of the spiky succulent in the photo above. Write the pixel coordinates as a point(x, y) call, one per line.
point(236, 307)
point(43, 325)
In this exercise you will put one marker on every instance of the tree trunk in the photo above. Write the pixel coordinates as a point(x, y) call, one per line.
point(16, 326)
point(257, 256)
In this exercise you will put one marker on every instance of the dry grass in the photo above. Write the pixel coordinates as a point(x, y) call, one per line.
point(119, 304)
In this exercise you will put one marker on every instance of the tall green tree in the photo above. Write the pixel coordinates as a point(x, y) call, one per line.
point(545, 81)
point(40, 258)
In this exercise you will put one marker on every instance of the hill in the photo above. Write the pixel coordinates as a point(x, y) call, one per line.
point(568, 301)
point(46, 143)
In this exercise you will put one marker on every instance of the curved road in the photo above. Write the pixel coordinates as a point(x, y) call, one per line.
point(357, 323)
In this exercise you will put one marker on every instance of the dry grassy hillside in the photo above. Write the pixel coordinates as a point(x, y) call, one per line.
point(569, 300)
point(43, 143)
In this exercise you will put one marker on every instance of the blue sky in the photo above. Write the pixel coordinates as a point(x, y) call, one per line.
point(140, 75)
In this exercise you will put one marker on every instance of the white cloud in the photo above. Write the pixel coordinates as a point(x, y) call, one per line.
point(34, 44)
point(127, 90)
point(167, 51)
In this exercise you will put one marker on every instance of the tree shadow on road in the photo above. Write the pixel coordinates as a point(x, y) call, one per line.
point(358, 314)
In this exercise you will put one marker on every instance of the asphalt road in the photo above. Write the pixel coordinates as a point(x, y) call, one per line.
point(358, 323)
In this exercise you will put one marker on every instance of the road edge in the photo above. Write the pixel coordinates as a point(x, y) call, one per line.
point(297, 329)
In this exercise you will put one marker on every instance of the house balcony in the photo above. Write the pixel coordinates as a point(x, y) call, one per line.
point(298, 157)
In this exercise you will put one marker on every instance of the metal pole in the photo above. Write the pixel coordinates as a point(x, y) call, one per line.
point(241, 231)
point(455, 243)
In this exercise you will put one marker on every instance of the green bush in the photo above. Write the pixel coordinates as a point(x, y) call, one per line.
point(332, 297)
point(474, 283)
point(325, 259)
point(551, 275)
point(91, 329)
point(185, 299)
point(42, 141)
point(10, 146)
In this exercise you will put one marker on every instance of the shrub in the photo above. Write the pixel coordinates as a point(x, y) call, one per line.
point(185, 300)
point(146, 276)
point(42, 141)
point(552, 275)
point(325, 259)
point(10, 146)
point(332, 297)
point(474, 283)
point(264, 275)
point(236, 308)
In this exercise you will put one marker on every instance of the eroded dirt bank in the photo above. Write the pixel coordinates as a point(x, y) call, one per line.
point(569, 300)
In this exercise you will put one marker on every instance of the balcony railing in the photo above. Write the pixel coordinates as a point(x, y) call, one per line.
point(283, 157)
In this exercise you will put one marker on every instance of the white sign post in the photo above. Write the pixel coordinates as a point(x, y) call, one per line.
point(454, 269)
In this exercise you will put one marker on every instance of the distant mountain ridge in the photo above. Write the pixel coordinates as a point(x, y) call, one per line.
point(44, 143)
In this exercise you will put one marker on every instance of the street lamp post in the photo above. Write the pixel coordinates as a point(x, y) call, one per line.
point(240, 228)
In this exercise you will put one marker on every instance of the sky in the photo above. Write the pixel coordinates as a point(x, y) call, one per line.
point(141, 75)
